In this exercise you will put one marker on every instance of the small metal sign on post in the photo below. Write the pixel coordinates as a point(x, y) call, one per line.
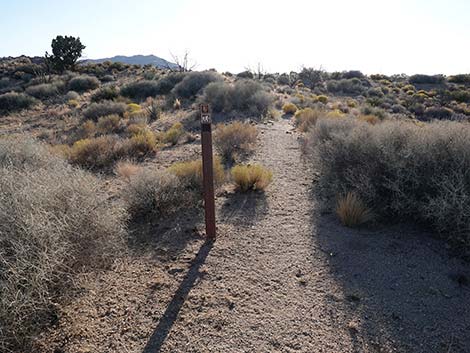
point(207, 170)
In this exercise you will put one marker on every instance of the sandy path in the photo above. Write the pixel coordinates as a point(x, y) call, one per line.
point(281, 277)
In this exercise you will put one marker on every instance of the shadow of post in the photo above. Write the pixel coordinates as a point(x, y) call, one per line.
point(159, 335)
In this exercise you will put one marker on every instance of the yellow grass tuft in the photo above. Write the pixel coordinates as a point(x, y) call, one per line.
point(190, 172)
point(289, 108)
point(251, 177)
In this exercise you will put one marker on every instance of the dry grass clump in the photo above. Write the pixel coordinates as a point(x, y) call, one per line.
point(173, 134)
point(177, 104)
point(54, 222)
point(190, 172)
point(108, 124)
point(234, 139)
point(127, 169)
point(142, 144)
point(351, 210)
point(251, 177)
point(156, 193)
point(371, 119)
point(96, 153)
point(400, 170)
point(306, 118)
point(88, 129)
point(289, 108)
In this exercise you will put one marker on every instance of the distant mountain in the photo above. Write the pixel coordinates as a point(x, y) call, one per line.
point(135, 59)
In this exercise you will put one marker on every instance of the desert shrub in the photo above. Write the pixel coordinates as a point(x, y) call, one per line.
point(173, 134)
point(245, 96)
point(306, 118)
point(88, 129)
point(400, 170)
point(283, 80)
point(346, 86)
point(141, 89)
point(438, 113)
point(71, 95)
point(109, 124)
point(311, 77)
point(54, 222)
point(96, 110)
point(194, 82)
point(353, 74)
point(169, 81)
point(427, 79)
point(351, 210)
point(234, 139)
point(141, 144)
point(460, 96)
point(251, 177)
point(156, 193)
point(190, 173)
point(43, 91)
point(322, 99)
point(96, 153)
point(11, 102)
point(289, 108)
point(461, 79)
point(153, 109)
point(83, 83)
point(246, 74)
point(105, 93)
point(177, 104)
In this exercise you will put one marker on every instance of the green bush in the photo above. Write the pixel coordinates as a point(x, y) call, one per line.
point(141, 89)
point(150, 88)
point(105, 93)
point(54, 222)
point(96, 110)
point(245, 96)
point(43, 91)
point(83, 83)
point(194, 82)
point(402, 171)
point(11, 102)
point(427, 79)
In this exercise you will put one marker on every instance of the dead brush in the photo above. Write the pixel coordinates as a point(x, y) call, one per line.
point(306, 118)
point(234, 139)
point(352, 211)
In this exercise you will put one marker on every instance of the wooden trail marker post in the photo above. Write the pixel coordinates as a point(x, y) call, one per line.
point(207, 170)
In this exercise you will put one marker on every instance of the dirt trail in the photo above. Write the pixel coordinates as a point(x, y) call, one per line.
point(280, 278)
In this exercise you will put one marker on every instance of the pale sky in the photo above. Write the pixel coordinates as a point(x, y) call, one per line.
point(374, 36)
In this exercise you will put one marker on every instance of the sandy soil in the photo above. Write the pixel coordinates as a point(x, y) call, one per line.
point(283, 276)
